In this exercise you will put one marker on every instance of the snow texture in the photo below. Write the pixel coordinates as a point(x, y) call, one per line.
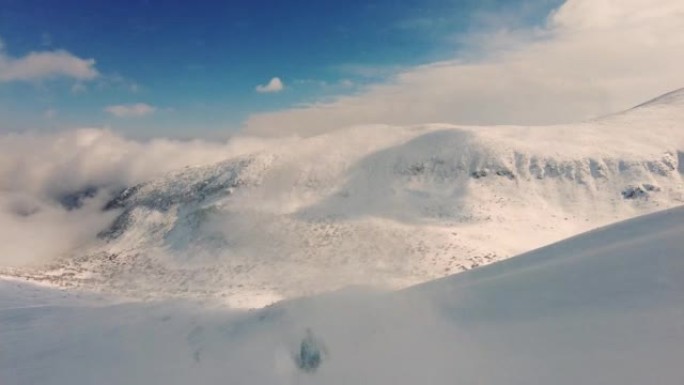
point(605, 307)
point(374, 206)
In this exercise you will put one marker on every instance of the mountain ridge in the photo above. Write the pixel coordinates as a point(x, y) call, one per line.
point(381, 205)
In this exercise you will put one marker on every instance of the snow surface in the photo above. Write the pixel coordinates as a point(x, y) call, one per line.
point(605, 307)
point(382, 206)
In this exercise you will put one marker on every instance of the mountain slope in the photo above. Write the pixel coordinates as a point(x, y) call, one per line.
point(602, 308)
point(385, 206)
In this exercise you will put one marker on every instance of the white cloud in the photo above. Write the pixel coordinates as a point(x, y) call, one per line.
point(591, 58)
point(36, 170)
point(131, 110)
point(45, 65)
point(275, 85)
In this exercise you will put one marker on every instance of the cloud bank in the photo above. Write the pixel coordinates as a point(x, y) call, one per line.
point(131, 110)
point(38, 171)
point(591, 57)
point(274, 85)
point(45, 65)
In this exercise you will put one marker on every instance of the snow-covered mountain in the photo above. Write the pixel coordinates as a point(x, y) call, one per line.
point(377, 205)
point(605, 307)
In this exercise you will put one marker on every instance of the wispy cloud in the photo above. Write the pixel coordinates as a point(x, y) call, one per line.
point(32, 182)
point(131, 110)
point(41, 65)
point(78, 88)
point(274, 85)
point(119, 82)
point(369, 71)
point(590, 58)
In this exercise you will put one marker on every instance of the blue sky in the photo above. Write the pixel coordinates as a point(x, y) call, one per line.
point(185, 69)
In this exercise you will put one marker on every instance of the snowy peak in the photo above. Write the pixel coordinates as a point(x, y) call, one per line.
point(663, 111)
point(674, 98)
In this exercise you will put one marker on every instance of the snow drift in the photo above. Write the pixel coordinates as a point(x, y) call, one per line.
point(602, 308)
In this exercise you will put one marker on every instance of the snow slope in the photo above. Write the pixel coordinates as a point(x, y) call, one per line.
point(605, 307)
point(383, 206)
